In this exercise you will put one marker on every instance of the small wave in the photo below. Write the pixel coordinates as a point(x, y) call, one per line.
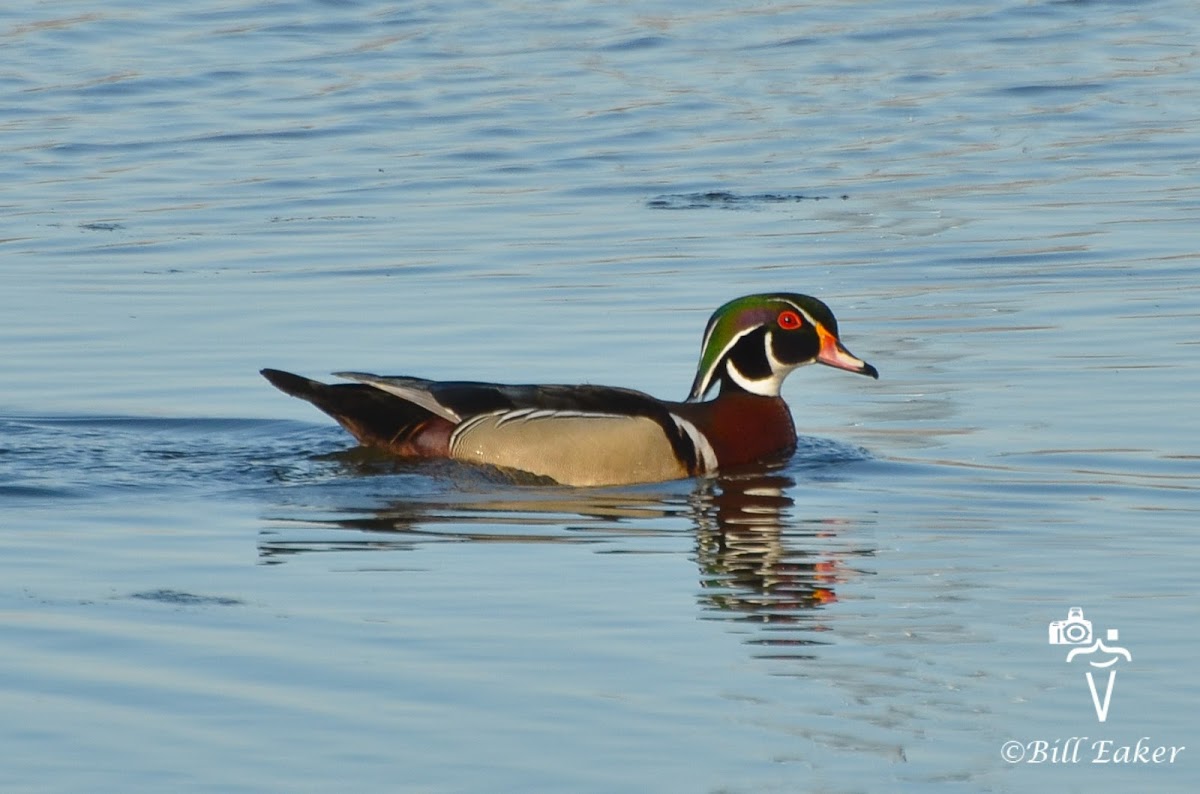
point(722, 199)
point(180, 598)
point(814, 452)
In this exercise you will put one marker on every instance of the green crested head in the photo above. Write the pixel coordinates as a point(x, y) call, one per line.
point(753, 342)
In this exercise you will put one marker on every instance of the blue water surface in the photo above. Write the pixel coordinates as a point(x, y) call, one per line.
point(206, 587)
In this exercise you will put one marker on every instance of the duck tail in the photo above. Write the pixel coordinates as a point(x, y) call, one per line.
point(373, 416)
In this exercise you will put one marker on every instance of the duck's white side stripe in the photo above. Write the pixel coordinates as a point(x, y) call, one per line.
point(466, 426)
point(533, 414)
point(507, 416)
point(706, 456)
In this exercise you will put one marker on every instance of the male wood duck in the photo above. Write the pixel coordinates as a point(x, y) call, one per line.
point(601, 435)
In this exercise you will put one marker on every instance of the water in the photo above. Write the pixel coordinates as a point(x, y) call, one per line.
point(206, 587)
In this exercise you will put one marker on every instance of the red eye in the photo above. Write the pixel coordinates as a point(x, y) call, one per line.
point(790, 321)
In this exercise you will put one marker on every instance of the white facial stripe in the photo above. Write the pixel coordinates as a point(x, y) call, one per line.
point(767, 387)
point(776, 365)
point(807, 317)
point(706, 384)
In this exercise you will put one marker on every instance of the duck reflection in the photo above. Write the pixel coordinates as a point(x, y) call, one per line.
point(761, 567)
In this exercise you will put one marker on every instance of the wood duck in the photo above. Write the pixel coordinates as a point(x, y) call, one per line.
point(602, 435)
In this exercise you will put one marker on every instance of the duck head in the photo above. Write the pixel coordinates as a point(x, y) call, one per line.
point(753, 342)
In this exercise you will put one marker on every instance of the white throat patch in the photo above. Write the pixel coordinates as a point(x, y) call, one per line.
point(765, 387)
